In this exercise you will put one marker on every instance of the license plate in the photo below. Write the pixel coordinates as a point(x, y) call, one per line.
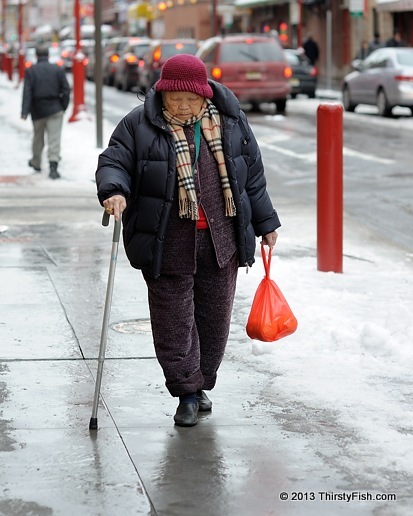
point(294, 82)
point(253, 76)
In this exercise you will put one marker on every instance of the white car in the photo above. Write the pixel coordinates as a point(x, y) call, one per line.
point(383, 79)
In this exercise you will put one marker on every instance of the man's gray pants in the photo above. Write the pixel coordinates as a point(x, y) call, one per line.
point(52, 125)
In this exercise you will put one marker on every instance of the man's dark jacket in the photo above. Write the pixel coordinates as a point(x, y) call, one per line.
point(46, 90)
point(140, 163)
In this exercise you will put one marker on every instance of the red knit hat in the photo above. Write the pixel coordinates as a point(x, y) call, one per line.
point(184, 72)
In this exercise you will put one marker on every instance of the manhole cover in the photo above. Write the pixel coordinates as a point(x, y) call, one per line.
point(139, 326)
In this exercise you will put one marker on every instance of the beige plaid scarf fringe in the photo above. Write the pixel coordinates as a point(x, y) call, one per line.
point(211, 129)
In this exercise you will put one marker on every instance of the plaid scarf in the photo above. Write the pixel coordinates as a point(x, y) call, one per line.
point(211, 129)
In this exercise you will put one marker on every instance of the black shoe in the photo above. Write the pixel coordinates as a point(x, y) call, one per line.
point(54, 174)
point(37, 169)
point(186, 413)
point(205, 404)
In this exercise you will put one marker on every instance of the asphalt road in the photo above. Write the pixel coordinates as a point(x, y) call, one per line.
point(377, 166)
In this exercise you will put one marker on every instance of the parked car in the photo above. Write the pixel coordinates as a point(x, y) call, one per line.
point(110, 57)
point(129, 63)
point(304, 77)
point(253, 66)
point(383, 79)
point(54, 56)
point(68, 50)
point(159, 51)
point(90, 61)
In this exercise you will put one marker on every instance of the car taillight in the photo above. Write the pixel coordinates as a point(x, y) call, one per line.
point(85, 61)
point(407, 78)
point(60, 62)
point(114, 58)
point(313, 71)
point(141, 63)
point(157, 54)
point(216, 73)
point(65, 53)
point(131, 59)
point(288, 72)
point(27, 64)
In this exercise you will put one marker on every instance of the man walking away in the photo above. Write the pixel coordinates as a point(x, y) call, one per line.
point(46, 95)
point(311, 50)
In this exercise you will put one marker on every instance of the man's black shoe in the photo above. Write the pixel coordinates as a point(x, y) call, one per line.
point(54, 174)
point(205, 404)
point(186, 413)
point(37, 169)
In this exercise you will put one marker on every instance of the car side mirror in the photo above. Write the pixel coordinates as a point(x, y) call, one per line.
point(357, 64)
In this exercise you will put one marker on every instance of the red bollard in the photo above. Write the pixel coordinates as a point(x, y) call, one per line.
point(78, 72)
point(8, 66)
point(21, 65)
point(330, 188)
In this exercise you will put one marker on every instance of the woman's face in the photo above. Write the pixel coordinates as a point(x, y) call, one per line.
point(182, 104)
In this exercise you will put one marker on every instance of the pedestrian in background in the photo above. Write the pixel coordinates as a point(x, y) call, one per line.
point(375, 43)
point(311, 49)
point(186, 172)
point(46, 95)
point(395, 41)
point(363, 52)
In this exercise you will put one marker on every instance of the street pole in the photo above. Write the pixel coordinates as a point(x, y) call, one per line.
point(3, 22)
point(98, 73)
point(21, 42)
point(329, 47)
point(78, 70)
point(300, 24)
point(214, 18)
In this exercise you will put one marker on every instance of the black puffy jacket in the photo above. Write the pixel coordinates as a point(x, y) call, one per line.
point(46, 90)
point(140, 163)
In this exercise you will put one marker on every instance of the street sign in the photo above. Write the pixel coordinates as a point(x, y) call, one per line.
point(356, 7)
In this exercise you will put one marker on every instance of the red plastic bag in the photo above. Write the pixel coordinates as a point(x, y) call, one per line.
point(270, 317)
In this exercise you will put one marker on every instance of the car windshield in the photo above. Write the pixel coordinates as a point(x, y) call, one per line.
point(256, 51)
point(140, 50)
point(171, 49)
point(405, 58)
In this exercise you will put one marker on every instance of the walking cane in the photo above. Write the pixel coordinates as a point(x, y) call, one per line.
point(93, 425)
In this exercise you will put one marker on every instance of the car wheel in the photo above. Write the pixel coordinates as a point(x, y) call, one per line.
point(281, 105)
point(411, 109)
point(311, 95)
point(293, 95)
point(348, 104)
point(383, 104)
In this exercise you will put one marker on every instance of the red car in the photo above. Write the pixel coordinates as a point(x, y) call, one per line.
point(253, 66)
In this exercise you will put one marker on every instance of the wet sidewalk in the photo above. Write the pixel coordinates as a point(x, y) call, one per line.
point(262, 451)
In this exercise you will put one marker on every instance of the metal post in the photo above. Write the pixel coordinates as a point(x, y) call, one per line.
point(21, 42)
point(330, 187)
point(329, 48)
point(98, 73)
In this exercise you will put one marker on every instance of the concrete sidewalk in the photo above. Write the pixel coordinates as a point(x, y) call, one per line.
point(240, 460)
point(54, 263)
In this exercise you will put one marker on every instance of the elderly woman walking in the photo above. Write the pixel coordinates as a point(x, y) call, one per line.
point(185, 173)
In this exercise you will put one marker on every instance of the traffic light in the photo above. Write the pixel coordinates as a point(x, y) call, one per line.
point(283, 33)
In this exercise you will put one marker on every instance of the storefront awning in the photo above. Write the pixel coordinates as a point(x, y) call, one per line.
point(258, 3)
point(394, 5)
